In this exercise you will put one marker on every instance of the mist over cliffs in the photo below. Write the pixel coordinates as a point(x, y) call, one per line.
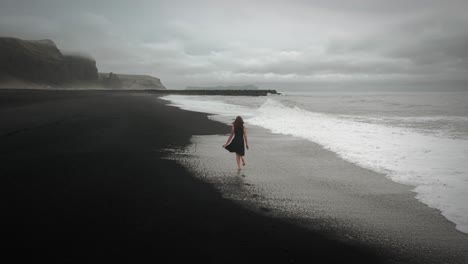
point(40, 63)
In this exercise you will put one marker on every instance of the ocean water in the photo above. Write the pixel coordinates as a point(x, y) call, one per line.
point(415, 138)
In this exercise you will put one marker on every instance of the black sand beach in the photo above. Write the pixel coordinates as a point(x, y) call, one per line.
point(84, 179)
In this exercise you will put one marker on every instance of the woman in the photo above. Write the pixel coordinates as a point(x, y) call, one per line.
point(237, 144)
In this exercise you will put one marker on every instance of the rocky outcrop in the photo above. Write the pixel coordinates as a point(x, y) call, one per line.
point(132, 82)
point(42, 62)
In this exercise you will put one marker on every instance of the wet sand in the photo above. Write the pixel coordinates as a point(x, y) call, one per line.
point(300, 182)
point(86, 178)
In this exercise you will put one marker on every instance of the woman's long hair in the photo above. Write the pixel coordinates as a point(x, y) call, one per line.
point(238, 123)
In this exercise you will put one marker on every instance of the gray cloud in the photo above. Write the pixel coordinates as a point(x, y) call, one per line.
point(432, 45)
point(261, 41)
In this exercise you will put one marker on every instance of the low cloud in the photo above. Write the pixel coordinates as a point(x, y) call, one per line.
point(218, 41)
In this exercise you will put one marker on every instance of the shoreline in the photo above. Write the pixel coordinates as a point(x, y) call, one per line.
point(347, 202)
point(87, 180)
point(300, 181)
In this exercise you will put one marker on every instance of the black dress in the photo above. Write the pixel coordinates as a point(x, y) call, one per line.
point(237, 143)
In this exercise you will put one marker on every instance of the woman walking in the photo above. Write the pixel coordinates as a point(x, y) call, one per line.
point(237, 144)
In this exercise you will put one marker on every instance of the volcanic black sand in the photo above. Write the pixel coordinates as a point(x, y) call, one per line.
point(84, 179)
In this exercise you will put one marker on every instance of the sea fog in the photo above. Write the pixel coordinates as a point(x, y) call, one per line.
point(415, 138)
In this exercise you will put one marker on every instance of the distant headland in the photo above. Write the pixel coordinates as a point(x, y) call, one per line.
point(131, 81)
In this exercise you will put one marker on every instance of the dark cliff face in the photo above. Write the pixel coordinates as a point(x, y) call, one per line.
point(80, 68)
point(42, 62)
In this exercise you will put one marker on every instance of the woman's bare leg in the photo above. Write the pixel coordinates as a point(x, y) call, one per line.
point(243, 161)
point(238, 161)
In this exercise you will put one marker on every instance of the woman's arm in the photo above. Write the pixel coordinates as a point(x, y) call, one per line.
point(230, 137)
point(245, 138)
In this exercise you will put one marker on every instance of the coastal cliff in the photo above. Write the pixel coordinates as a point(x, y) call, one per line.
point(41, 62)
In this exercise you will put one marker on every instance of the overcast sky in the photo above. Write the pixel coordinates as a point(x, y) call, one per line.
point(243, 42)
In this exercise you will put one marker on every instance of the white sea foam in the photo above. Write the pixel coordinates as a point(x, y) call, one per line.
point(223, 112)
point(436, 166)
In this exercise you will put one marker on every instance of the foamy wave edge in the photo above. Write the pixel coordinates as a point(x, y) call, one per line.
point(371, 146)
